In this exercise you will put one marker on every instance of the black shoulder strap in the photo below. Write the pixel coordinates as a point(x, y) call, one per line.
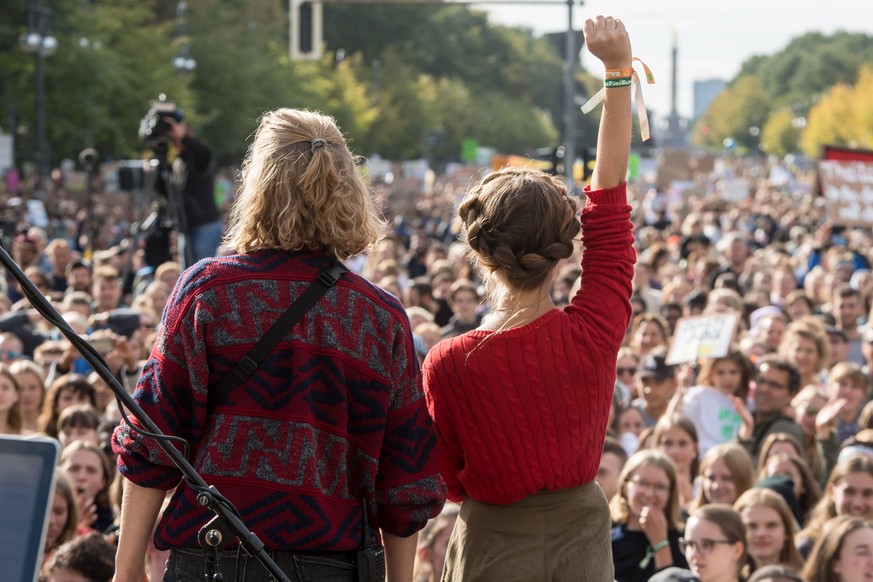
point(249, 362)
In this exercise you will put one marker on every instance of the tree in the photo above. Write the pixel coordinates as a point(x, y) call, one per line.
point(733, 114)
point(844, 116)
point(781, 133)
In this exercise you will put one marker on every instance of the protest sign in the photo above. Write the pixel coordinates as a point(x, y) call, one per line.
point(702, 336)
point(848, 190)
point(734, 190)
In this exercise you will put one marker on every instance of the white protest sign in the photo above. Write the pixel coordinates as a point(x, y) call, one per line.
point(734, 190)
point(848, 191)
point(36, 214)
point(702, 336)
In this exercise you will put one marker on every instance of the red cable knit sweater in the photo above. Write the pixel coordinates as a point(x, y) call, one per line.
point(527, 410)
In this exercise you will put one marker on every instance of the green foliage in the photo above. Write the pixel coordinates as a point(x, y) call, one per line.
point(733, 114)
point(780, 135)
point(844, 116)
point(409, 73)
point(790, 83)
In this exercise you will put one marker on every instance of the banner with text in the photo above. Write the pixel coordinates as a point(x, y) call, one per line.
point(848, 191)
point(702, 336)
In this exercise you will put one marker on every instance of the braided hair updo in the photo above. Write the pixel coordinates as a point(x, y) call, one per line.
point(517, 224)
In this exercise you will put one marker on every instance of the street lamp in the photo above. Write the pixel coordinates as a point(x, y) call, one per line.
point(570, 111)
point(183, 61)
point(38, 41)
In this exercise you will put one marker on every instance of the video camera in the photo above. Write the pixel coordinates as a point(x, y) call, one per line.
point(153, 127)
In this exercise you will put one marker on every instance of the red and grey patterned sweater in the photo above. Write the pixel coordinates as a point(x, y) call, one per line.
point(333, 415)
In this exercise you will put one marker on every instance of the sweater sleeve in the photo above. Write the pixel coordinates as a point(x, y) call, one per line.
point(603, 299)
point(172, 392)
point(451, 461)
point(409, 489)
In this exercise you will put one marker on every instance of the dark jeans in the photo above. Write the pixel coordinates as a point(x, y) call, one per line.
point(189, 566)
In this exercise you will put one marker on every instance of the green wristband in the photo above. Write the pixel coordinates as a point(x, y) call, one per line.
point(622, 82)
point(660, 546)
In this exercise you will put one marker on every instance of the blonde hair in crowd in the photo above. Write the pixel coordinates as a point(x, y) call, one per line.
point(820, 566)
point(826, 508)
point(301, 189)
point(759, 496)
point(738, 462)
point(619, 506)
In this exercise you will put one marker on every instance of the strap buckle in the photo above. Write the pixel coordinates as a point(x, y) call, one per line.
point(244, 368)
point(330, 276)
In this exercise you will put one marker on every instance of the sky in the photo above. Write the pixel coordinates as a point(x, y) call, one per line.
point(714, 37)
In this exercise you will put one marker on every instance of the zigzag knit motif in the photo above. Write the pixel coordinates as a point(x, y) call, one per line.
point(334, 414)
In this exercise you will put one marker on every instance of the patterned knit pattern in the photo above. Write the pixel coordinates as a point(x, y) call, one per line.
point(525, 409)
point(333, 415)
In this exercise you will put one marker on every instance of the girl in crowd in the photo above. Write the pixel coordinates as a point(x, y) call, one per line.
point(770, 528)
point(844, 553)
point(631, 425)
point(798, 305)
point(65, 391)
point(777, 443)
point(806, 489)
point(31, 384)
point(849, 491)
point(711, 404)
point(519, 225)
point(645, 516)
point(848, 389)
point(726, 472)
point(649, 331)
point(626, 368)
point(805, 344)
point(90, 474)
point(78, 423)
point(807, 404)
point(63, 519)
point(715, 547)
point(10, 418)
point(676, 436)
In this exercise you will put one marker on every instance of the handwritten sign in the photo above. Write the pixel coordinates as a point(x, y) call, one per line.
point(734, 189)
point(848, 191)
point(702, 336)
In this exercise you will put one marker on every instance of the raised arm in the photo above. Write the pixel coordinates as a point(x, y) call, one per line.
point(608, 40)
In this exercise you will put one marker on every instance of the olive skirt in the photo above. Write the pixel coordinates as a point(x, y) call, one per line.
point(549, 536)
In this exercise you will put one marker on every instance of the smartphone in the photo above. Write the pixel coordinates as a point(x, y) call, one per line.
point(103, 345)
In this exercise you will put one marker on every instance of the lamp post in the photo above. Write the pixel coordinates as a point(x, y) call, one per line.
point(570, 110)
point(183, 61)
point(38, 41)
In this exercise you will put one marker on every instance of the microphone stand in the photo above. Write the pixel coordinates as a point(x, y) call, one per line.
point(227, 520)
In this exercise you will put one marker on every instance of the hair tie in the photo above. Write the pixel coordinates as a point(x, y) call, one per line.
point(317, 143)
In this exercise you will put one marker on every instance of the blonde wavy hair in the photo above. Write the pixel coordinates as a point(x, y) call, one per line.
point(301, 189)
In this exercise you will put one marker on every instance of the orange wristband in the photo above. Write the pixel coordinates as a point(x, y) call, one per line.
point(618, 73)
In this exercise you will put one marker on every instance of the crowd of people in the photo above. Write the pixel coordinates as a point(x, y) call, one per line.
point(753, 465)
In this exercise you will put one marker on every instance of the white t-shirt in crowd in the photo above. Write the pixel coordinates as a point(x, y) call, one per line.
point(713, 414)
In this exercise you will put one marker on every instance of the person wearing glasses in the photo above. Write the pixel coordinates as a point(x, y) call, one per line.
point(715, 547)
point(776, 382)
point(645, 517)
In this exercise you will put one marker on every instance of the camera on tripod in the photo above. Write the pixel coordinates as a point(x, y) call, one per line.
point(153, 127)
